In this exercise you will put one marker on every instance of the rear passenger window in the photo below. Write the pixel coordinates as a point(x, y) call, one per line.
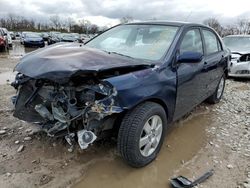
point(211, 42)
point(192, 42)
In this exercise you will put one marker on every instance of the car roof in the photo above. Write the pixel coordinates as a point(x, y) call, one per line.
point(237, 36)
point(172, 23)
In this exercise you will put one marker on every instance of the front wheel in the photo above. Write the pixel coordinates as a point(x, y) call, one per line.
point(141, 134)
point(217, 95)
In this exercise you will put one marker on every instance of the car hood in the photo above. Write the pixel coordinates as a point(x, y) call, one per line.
point(240, 52)
point(60, 61)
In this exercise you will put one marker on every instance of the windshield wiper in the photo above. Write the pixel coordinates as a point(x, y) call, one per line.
point(118, 54)
point(145, 60)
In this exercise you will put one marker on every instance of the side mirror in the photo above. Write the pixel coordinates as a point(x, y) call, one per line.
point(190, 57)
point(5, 34)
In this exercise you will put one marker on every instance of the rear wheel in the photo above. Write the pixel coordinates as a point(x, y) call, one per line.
point(141, 134)
point(217, 95)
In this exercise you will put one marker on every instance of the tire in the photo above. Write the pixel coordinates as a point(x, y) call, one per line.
point(132, 131)
point(217, 95)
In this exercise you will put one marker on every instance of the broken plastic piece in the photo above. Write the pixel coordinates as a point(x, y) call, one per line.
point(70, 138)
point(44, 112)
point(182, 182)
point(85, 138)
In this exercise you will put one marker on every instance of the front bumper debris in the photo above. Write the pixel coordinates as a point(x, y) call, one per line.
point(61, 110)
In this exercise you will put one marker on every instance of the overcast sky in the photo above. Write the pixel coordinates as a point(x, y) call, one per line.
point(108, 12)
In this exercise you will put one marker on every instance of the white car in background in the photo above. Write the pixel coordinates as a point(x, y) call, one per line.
point(8, 37)
point(239, 46)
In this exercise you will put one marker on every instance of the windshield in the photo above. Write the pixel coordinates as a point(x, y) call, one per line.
point(148, 42)
point(237, 44)
point(32, 35)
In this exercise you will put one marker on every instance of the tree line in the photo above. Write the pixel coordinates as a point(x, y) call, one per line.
point(55, 23)
point(241, 27)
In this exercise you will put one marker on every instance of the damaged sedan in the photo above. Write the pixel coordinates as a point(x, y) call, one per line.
point(130, 82)
point(239, 46)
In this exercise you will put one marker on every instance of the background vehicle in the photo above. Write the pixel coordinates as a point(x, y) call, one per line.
point(17, 34)
point(33, 40)
point(7, 37)
point(68, 37)
point(12, 34)
point(53, 38)
point(134, 79)
point(240, 49)
point(85, 38)
point(22, 36)
point(77, 37)
point(3, 43)
point(45, 36)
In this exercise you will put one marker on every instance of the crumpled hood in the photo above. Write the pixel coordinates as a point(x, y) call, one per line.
point(61, 61)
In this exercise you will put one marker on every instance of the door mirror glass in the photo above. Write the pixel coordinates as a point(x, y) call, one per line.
point(190, 57)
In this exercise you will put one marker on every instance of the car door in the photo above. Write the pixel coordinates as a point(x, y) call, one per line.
point(213, 60)
point(190, 81)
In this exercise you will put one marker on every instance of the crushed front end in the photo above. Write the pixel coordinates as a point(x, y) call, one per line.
point(240, 65)
point(80, 108)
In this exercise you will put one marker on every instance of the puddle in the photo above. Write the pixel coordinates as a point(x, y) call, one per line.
point(185, 139)
point(7, 77)
point(17, 51)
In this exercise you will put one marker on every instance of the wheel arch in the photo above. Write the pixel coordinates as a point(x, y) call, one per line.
point(155, 100)
point(160, 102)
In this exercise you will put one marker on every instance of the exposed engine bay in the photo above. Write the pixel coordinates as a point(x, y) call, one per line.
point(76, 108)
point(244, 57)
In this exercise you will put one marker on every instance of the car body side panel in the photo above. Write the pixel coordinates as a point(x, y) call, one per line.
point(190, 88)
point(215, 64)
point(213, 71)
point(147, 84)
point(197, 81)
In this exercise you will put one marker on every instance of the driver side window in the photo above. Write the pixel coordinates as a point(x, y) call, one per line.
point(192, 42)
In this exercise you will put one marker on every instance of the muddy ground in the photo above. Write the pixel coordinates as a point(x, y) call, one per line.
point(211, 137)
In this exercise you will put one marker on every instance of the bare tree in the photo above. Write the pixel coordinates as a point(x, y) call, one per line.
point(70, 23)
point(215, 24)
point(243, 26)
point(230, 30)
point(56, 21)
point(85, 25)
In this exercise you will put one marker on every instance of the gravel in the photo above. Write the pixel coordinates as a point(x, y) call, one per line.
point(28, 138)
point(2, 132)
point(20, 148)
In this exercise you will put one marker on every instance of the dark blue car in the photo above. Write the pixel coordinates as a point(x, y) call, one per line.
point(33, 40)
point(130, 82)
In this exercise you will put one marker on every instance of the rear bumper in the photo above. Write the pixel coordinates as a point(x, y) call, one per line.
point(34, 44)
